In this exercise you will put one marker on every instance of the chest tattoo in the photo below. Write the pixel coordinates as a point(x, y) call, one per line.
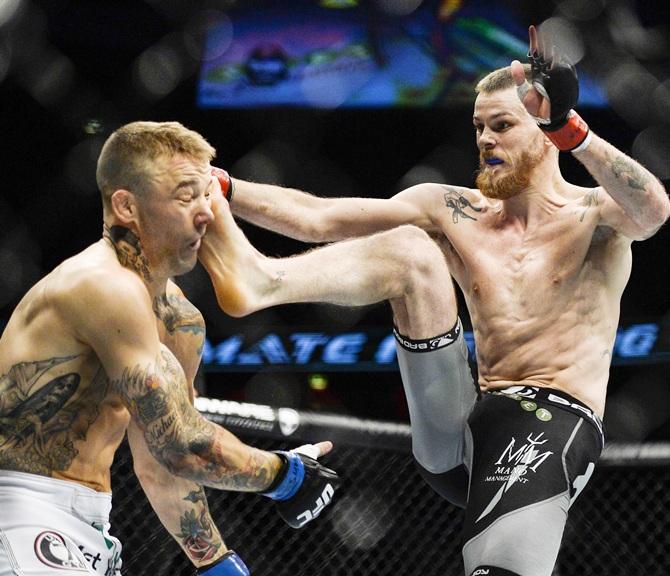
point(590, 199)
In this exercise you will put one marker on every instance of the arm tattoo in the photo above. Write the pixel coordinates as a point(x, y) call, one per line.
point(183, 441)
point(458, 203)
point(198, 536)
point(623, 167)
point(196, 496)
point(128, 249)
point(178, 314)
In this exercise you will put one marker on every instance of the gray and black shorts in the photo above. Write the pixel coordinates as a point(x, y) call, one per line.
point(533, 452)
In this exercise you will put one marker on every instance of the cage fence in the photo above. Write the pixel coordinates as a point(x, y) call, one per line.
point(386, 520)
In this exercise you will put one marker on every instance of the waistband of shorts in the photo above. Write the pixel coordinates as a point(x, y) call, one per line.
point(429, 344)
point(68, 496)
point(557, 398)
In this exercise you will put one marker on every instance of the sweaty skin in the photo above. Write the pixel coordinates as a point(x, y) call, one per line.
point(542, 270)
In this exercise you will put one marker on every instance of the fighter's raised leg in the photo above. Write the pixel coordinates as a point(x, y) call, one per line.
point(403, 265)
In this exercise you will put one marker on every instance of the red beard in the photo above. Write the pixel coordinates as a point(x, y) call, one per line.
point(508, 185)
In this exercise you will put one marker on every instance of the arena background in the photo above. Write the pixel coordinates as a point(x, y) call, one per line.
point(73, 70)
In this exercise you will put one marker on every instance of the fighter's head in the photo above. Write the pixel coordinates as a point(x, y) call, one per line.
point(130, 157)
point(511, 146)
point(155, 179)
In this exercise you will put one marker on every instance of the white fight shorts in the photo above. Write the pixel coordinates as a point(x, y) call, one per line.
point(54, 527)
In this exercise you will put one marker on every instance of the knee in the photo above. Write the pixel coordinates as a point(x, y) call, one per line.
point(417, 253)
point(452, 485)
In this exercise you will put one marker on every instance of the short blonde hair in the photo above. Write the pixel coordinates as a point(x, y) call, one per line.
point(500, 79)
point(127, 157)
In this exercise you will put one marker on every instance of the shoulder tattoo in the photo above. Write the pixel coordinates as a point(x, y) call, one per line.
point(458, 204)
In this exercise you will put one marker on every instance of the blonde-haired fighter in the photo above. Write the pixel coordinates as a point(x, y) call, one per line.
point(108, 344)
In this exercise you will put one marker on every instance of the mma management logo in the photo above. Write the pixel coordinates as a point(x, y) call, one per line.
point(58, 551)
point(513, 466)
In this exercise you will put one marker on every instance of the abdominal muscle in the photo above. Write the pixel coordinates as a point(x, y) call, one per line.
point(562, 351)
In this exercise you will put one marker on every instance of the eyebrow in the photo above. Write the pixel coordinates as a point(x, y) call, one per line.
point(186, 183)
point(494, 116)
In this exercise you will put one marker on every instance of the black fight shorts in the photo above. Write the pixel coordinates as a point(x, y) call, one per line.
point(533, 451)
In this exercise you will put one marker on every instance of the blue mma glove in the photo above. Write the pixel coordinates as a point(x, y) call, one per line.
point(230, 564)
point(303, 487)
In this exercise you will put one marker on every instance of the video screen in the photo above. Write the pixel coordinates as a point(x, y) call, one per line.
point(356, 54)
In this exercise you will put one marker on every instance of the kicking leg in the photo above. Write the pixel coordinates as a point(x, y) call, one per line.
point(403, 265)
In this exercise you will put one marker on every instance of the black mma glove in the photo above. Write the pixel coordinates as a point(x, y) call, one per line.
point(303, 487)
point(556, 80)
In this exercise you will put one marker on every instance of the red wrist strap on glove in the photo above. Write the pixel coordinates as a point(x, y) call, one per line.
point(226, 182)
point(571, 134)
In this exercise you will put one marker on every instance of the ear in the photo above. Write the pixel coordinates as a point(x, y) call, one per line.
point(124, 206)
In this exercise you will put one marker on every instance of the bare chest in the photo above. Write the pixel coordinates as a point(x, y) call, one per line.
point(526, 272)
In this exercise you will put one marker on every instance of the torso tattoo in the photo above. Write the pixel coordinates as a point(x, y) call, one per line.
point(41, 422)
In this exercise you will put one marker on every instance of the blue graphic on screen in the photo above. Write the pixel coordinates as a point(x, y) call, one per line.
point(374, 349)
point(301, 53)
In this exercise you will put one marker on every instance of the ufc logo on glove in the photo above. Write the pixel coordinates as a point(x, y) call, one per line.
point(321, 502)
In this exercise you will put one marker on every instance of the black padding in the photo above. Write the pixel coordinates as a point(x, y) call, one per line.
point(452, 485)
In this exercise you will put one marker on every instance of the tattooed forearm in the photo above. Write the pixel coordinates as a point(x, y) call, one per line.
point(198, 536)
point(196, 496)
point(183, 441)
point(458, 204)
point(626, 169)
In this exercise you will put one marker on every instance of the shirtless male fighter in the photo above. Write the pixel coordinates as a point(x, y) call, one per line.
point(108, 344)
point(542, 264)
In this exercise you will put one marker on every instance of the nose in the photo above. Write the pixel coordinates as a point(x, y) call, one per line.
point(486, 139)
point(204, 215)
